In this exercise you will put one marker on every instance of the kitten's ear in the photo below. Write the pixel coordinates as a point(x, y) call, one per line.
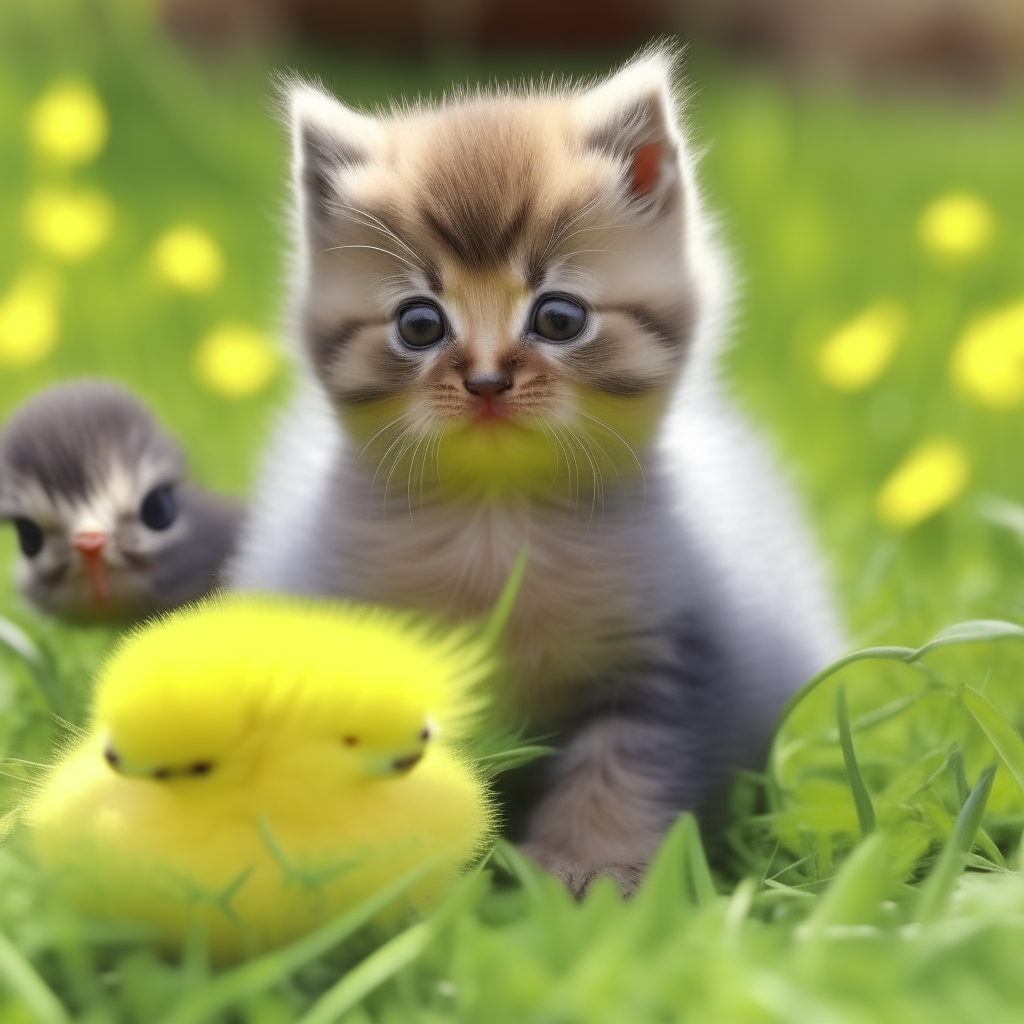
point(327, 139)
point(631, 117)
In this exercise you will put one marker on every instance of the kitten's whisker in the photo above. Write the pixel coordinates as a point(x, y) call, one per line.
point(380, 464)
point(412, 466)
point(377, 248)
point(580, 252)
point(560, 230)
point(375, 223)
point(566, 443)
point(380, 430)
point(626, 444)
point(394, 465)
point(553, 444)
point(597, 480)
point(423, 464)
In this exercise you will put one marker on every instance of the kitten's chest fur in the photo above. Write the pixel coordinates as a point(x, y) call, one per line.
point(579, 613)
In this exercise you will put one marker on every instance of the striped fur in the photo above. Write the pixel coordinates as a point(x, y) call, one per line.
point(672, 600)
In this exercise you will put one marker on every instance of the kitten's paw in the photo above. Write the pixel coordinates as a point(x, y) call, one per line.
point(577, 876)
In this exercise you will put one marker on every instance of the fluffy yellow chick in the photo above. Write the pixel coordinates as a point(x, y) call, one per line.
point(261, 764)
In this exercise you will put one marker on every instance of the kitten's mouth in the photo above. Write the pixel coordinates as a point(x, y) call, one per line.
point(489, 410)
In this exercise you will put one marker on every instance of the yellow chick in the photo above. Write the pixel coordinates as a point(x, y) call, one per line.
point(261, 764)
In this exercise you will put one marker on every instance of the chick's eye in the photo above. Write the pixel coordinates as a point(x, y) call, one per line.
point(421, 324)
point(558, 319)
point(30, 537)
point(158, 509)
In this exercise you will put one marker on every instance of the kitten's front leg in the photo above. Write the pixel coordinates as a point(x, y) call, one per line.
point(608, 808)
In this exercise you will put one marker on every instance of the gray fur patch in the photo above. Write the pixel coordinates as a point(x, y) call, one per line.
point(68, 436)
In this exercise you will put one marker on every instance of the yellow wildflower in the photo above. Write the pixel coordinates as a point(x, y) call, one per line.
point(235, 361)
point(28, 320)
point(70, 225)
point(189, 258)
point(957, 224)
point(927, 480)
point(69, 123)
point(988, 361)
point(858, 352)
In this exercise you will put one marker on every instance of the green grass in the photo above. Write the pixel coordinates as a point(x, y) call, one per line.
point(873, 873)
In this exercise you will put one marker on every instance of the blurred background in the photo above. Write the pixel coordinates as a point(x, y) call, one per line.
point(865, 160)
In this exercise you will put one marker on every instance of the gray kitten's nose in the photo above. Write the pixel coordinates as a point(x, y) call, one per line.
point(488, 386)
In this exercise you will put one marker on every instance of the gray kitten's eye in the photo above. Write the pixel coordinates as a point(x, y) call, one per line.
point(30, 537)
point(158, 509)
point(558, 319)
point(421, 324)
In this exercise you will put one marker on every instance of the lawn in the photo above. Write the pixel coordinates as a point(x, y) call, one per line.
point(878, 244)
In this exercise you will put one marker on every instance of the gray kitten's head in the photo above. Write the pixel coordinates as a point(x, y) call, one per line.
point(92, 486)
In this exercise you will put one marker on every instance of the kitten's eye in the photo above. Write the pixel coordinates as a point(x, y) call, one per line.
point(421, 324)
point(158, 509)
point(558, 319)
point(30, 537)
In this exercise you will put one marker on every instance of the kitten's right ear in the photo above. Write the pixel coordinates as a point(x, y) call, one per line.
point(328, 138)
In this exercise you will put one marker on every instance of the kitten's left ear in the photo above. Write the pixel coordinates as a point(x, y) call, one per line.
point(631, 117)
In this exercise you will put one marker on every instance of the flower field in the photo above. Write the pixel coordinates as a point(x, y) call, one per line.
point(873, 872)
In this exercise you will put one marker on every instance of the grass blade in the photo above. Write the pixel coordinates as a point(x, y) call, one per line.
point(13, 637)
point(938, 886)
point(502, 610)
point(956, 766)
point(21, 979)
point(383, 963)
point(1000, 732)
point(700, 874)
point(854, 896)
point(679, 874)
point(861, 796)
point(250, 978)
point(506, 760)
point(37, 659)
point(395, 954)
point(973, 631)
point(867, 654)
point(1000, 512)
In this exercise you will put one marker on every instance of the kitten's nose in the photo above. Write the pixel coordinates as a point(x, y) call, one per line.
point(488, 386)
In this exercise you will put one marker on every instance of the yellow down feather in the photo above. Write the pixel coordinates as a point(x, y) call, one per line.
point(261, 764)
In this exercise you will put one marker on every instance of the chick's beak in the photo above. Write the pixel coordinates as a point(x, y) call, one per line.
point(406, 763)
point(89, 544)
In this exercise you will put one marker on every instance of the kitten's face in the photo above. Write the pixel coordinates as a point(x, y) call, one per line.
point(497, 289)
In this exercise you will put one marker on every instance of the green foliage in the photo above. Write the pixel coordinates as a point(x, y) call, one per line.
point(872, 873)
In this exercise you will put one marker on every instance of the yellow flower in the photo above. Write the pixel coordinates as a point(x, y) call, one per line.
point(988, 361)
point(235, 361)
point(927, 480)
point(70, 225)
point(957, 224)
point(189, 258)
point(69, 123)
point(857, 353)
point(28, 320)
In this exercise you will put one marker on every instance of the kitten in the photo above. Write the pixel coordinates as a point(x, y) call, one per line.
point(506, 309)
point(109, 527)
